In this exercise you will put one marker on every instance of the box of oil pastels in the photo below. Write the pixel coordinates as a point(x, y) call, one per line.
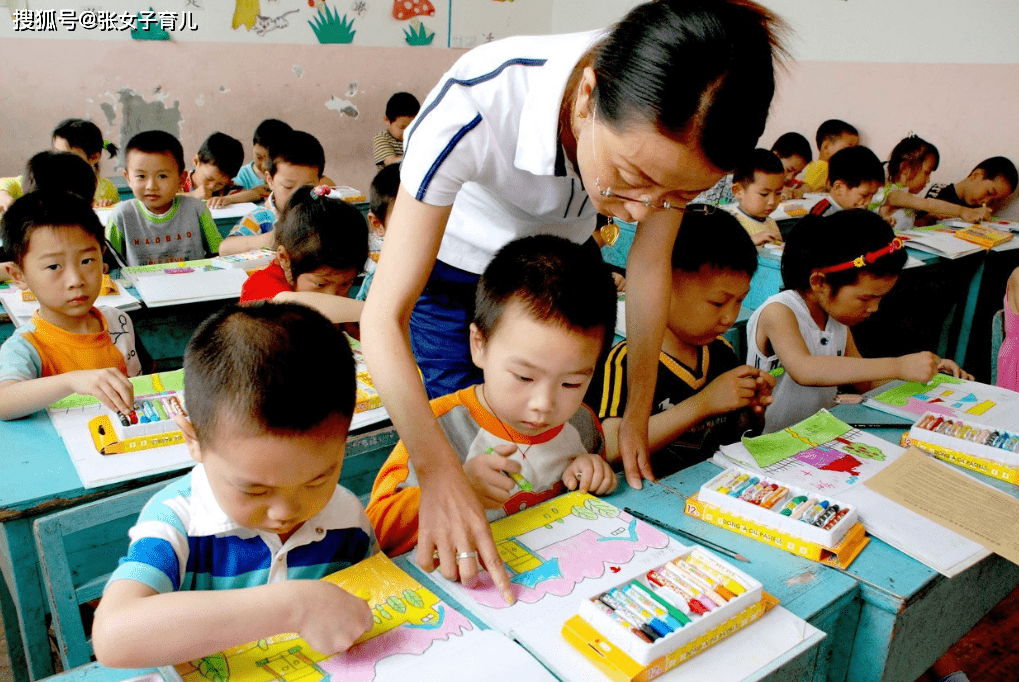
point(795, 519)
point(642, 628)
point(984, 449)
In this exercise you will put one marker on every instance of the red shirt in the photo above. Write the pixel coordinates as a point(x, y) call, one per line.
point(265, 284)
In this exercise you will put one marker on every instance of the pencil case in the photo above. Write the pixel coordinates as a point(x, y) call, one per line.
point(678, 617)
point(968, 444)
point(149, 425)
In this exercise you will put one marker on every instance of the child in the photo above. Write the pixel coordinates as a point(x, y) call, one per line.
point(216, 162)
point(794, 152)
point(232, 551)
point(757, 184)
point(252, 176)
point(835, 271)
point(158, 226)
point(832, 136)
point(55, 242)
point(700, 391)
point(1008, 355)
point(80, 137)
point(545, 312)
point(321, 245)
point(855, 174)
point(297, 159)
point(909, 170)
point(388, 145)
point(382, 194)
point(987, 185)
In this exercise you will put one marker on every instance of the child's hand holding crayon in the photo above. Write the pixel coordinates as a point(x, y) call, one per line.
point(493, 475)
point(329, 618)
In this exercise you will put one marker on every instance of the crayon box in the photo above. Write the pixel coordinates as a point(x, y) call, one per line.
point(966, 451)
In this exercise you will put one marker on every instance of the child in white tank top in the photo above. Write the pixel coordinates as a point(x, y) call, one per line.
point(835, 270)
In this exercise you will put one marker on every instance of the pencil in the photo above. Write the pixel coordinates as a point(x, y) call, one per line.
point(686, 534)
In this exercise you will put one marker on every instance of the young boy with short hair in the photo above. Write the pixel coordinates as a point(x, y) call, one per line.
point(989, 184)
point(381, 195)
point(793, 151)
point(757, 183)
point(832, 136)
point(216, 162)
point(297, 159)
point(69, 346)
point(703, 396)
point(232, 551)
point(856, 174)
point(388, 145)
point(160, 225)
point(546, 310)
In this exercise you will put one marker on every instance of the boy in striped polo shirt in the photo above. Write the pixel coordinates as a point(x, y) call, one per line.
point(232, 551)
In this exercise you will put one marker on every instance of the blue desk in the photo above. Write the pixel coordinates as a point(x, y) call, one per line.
point(911, 614)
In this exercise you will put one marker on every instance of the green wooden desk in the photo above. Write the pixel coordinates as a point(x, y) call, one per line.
point(911, 614)
point(39, 478)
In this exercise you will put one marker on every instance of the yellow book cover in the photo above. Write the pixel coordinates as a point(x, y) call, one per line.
point(984, 235)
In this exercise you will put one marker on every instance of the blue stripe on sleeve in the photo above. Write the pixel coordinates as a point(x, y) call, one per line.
point(158, 554)
point(444, 154)
point(228, 555)
point(144, 574)
point(467, 82)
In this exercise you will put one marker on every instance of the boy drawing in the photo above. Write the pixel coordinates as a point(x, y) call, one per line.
point(856, 174)
point(546, 310)
point(989, 184)
point(234, 549)
point(388, 145)
point(69, 346)
point(832, 136)
point(217, 161)
point(297, 159)
point(158, 225)
point(703, 397)
point(757, 183)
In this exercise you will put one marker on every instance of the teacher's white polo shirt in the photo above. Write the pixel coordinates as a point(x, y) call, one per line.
point(485, 142)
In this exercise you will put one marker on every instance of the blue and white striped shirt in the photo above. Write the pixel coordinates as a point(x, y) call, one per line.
point(183, 540)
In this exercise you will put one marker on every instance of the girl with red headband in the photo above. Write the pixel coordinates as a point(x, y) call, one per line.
point(835, 271)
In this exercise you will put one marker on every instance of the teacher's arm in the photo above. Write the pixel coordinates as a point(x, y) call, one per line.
point(648, 282)
point(451, 520)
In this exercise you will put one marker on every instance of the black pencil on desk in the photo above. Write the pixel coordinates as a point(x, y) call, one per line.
point(686, 534)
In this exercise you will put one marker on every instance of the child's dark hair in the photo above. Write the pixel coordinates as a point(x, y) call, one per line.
point(223, 152)
point(270, 131)
point(831, 130)
point(793, 144)
point(555, 279)
point(700, 242)
point(758, 161)
point(45, 208)
point(60, 171)
point(297, 148)
point(402, 104)
point(909, 154)
point(261, 367)
point(84, 135)
point(998, 167)
point(318, 231)
point(842, 237)
point(382, 192)
point(855, 166)
point(157, 142)
point(702, 69)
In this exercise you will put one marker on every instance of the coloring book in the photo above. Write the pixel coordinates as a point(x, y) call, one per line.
point(415, 635)
point(948, 396)
point(824, 454)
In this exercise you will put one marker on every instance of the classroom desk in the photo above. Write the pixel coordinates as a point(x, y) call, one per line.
point(911, 614)
point(825, 598)
point(39, 479)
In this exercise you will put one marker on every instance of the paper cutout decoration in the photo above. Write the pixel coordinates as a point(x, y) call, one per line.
point(246, 14)
point(330, 29)
point(418, 34)
point(408, 9)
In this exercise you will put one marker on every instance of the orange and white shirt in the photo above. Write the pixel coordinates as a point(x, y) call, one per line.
point(472, 430)
point(40, 349)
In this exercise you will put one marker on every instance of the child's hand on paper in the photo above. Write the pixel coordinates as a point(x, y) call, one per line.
point(950, 367)
point(920, 367)
point(766, 237)
point(218, 202)
point(975, 215)
point(102, 203)
point(589, 473)
point(489, 475)
point(109, 385)
point(329, 618)
point(729, 392)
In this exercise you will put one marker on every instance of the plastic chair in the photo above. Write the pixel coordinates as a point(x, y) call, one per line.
point(997, 338)
point(78, 550)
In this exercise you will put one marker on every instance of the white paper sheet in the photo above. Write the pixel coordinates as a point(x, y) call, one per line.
point(940, 243)
point(954, 398)
point(162, 290)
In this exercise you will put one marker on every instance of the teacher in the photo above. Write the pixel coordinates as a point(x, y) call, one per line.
point(534, 135)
